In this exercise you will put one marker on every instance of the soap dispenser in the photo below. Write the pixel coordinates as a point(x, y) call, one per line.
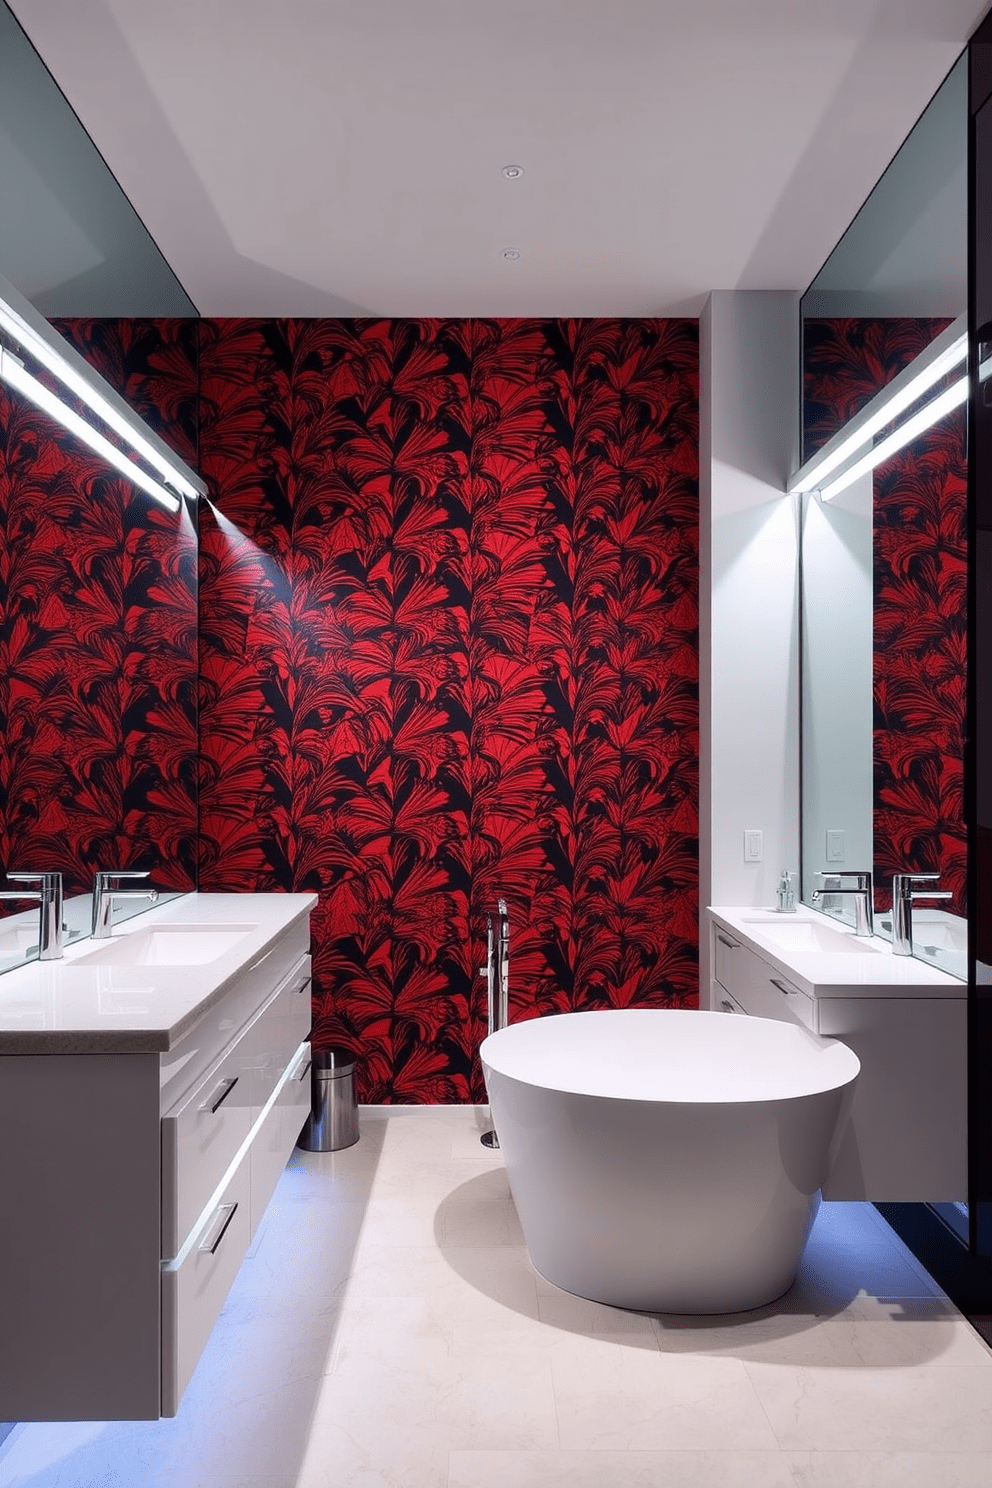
point(786, 894)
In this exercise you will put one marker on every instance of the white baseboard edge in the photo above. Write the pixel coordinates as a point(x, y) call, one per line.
point(447, 1109)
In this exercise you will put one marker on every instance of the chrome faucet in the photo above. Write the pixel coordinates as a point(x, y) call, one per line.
point(903, 895)
point(497, 974)
point(49, 898)
point(105, 895)
point(862, 893)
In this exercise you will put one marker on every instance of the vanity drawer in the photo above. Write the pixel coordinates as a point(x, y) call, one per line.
point(773, 996)
point(278, 1032)
point(202, 1133)
point(277, 1133)
point(200, 1138)
point(194, 1292)
point(726, 1003)
point(731, 962)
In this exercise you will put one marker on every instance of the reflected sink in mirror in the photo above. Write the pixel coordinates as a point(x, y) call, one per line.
point(15, 939)
point(167, 945)
point(809, 935)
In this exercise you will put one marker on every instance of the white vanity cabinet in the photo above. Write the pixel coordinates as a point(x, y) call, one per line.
point(133, 1179)
point(906, 1138)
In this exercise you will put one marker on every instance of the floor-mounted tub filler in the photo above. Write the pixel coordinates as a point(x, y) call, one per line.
point(667, 1161)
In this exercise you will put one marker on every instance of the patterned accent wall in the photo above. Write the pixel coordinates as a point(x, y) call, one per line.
point(920, 594)
point(98, 634)
point(920, 661)
point(449, 651)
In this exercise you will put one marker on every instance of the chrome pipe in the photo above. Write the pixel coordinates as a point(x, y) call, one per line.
point(497, 974)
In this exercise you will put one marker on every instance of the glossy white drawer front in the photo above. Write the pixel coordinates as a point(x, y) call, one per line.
point(277, 1133)
point(194, 1292)
point(201, 1135)
point(200, 1139)
point(278, 1033)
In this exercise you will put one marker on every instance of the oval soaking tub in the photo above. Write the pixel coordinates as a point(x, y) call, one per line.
point(667, 1161)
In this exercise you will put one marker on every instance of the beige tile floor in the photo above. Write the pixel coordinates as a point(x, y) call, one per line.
point(388, 1331)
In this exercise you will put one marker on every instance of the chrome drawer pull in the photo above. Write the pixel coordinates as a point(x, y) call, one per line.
point(786, 991)
point(225, 1213)
point(212, 1105)
point(732, 945)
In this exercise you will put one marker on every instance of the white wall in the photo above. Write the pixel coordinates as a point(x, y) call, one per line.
point(837, 657)
point(749, 586)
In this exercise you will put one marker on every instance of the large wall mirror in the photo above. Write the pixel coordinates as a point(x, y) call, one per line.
point(884, 553)
point(98, 596)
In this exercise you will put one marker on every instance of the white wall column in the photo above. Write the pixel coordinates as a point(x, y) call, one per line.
point(749, 597)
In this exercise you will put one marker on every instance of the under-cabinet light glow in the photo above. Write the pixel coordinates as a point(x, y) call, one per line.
point(12, 372)
point(930, 414)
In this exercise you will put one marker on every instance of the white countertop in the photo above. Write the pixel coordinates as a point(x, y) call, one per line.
point(70, 1007)
point(875, 972)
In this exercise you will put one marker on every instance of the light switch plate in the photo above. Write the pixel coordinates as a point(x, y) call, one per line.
point(753, 845)
point(835, 845)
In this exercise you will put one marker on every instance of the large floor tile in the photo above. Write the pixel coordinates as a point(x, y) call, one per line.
point(890, 1469)
point(619, 1470)
point(923, 1409)
point(499, 1397)
point(868, 1332)
point(611, 1397)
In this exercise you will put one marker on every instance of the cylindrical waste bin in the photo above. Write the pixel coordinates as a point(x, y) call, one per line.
point(333, 1120)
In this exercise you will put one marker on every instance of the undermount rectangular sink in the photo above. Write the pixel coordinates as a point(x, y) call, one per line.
point(810, 935)
point(167, 945)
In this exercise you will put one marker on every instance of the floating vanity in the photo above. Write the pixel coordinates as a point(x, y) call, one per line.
point(905, 1020)
point(152, 1086)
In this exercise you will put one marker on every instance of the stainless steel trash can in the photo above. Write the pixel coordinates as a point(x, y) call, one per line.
point(333, 1120)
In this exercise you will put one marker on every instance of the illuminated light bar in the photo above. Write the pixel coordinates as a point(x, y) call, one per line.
point(13, 372)
point(847, 449)
point(931, 413)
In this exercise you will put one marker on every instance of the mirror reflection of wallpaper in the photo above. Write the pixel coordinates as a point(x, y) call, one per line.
point(919, 583)
point(98, 635)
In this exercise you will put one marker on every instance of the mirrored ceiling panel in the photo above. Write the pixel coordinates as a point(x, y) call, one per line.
point(69, 238)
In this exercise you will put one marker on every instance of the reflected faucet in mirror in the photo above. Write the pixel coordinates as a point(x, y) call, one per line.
point(861, 892)
point(106, 893)
point(903, 895)
point(48, 896)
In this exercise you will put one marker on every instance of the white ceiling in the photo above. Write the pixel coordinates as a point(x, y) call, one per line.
point(342, 157)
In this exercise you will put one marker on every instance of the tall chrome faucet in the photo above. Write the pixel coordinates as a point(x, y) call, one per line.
point(106, 894)
point(861, 892)
point(497, 974)
point(48, 895)
point(903, 895)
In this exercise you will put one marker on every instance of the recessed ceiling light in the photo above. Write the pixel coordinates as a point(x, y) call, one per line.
point(513, 172)
point(510, 254)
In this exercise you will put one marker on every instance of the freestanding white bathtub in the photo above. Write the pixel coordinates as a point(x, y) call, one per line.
point(667, 1161)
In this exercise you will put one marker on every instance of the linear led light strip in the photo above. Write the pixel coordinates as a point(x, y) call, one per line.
point(902, 393)
point(18, 323)
point(13, 372)
point(931, 413)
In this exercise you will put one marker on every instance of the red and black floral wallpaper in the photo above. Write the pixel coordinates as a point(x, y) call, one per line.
point(449, 651)
point(98, 632)
point(920, 592)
